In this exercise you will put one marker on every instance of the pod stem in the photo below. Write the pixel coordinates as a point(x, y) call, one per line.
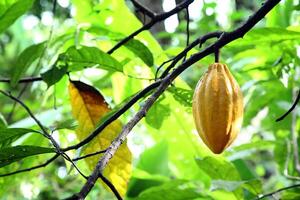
point(217, 53)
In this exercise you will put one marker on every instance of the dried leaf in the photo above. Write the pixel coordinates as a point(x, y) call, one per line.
point(88, 107)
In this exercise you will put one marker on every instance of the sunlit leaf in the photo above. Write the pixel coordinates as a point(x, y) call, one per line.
point(13, 12)
point(140, 50)
point(152, 165)
point(84, 57)
point(12, 154)
point(88, 107)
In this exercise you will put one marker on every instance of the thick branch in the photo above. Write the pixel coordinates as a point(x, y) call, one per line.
point(223, 40)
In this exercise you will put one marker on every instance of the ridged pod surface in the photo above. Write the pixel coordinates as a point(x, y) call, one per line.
point(218, 108)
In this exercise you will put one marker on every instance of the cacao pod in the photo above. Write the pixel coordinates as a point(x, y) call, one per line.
point(218, 108)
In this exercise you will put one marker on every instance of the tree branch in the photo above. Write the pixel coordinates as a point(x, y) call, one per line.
point(89, 155)
point(277, 191)
point(154, 20)
point(223, 40)
point(23, 80)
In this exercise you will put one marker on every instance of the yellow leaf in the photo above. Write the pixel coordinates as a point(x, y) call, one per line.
point(88, 107)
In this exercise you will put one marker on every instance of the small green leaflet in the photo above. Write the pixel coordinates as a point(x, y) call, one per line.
point(9, 155)
point(8, 135)
point(83, 57)
point(13, 13)
point(25, 59)
point(183, 96)
point(156, 114)
point(54, 75)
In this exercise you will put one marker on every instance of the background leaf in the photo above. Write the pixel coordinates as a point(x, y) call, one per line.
point(25, 59)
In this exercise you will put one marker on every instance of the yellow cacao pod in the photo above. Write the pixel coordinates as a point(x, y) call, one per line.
point(218, 108)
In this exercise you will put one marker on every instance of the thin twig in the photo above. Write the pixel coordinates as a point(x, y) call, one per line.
point(111, 186)
point(222, 41)
point(277, 191)
point(44, 131)
point(187, 30)
point(291, 109)
point(157, 18)
point(23, 80)
point(32, 168)
point(199, 41)
point(294, 137)
point(89, 155)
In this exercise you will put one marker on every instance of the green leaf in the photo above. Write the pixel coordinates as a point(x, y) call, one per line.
point(13, 12)
point(25, 59)
point(175, 190)
point(54, 75)
point(152, 164)
point(156, 114)
point(84, 57)
point(246, 172)
point(254, 186)
point(218, 168)
point(140, 50)
point(8, 135)
point(12, 154)
point(133, 45)
point(183, 96)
